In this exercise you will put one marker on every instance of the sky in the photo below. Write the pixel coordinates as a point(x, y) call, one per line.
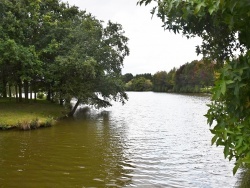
point(151, 48)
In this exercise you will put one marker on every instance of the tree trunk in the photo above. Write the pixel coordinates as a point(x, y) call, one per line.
point(4, 88)
point(20, 90)
point(71, 113)
point(31, 91)
point(35, 95)
point(16, 93)
point(61, 102)
point(53, 96)
point(34, 88)
point(49, 93)
point(26, 90)
point(10, 91)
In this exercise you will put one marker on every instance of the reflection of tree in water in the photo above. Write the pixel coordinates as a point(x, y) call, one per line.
point(111, 164)
point(244, 178)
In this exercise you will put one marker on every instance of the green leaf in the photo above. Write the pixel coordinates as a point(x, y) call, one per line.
point(226, 151)
point(246, 160)
point(232, 5)
point(236, 90)
point(236, 167)
point(147, 2)
point(223, 87)
point(211, 10)
point(229, 82)
point(239, 143)
point(198, 7)
point(214, 139)
point(225, 135)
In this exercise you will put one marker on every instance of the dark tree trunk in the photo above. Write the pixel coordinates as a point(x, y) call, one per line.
point(4, 88)
point(20, 91)
point(61, 102)
point(52, 97)
point(49, 94)
point(31, 90)
point(16, 93)
point(34, 89)
point(10, 91)
point(26, 91)
point(71, 113)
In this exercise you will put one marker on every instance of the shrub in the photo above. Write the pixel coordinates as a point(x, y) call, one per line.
point(40, 95)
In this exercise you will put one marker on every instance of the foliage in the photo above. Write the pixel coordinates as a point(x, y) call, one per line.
point(147, 76)
point(127, 77)
point(40, 95)
point(196, 76)
point(139, 84)
point(57, 49)
point(163, 81)
point(230, 110)
point(85, 71)
point(191, 77)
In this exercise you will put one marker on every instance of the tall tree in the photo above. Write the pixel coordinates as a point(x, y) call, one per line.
point(139, 84)
point(67, 51)
point(127, 77)
point(160, 82)
point(90, 69)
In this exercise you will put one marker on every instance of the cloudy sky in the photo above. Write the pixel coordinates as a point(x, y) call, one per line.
point(151, 48)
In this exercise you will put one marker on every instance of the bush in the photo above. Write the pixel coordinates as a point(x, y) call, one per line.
point(40, 95)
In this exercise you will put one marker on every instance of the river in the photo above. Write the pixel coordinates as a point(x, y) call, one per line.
point(155, 140)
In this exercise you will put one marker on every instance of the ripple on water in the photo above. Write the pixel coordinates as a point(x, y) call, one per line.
point(155, 140)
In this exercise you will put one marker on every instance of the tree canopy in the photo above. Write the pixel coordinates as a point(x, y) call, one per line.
point(224, 27)
point(52, 47)
point(196, 76)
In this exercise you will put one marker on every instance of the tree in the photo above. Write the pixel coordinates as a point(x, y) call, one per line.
point(191, 77)
point(160, 81)
point(127, 77)
point(28, 24)
point(147, 76)
point(90, 68)
point(56, 48)
point(224, 27)
point(139, 84)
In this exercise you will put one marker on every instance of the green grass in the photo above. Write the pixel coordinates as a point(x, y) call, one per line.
point(41, 112)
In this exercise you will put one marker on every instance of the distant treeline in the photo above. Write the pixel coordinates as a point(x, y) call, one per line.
point(196, 76)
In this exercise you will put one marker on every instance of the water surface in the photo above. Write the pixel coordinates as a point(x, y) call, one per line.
point(155, 140)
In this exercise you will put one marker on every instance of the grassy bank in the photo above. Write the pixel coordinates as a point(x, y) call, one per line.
point(28, 115)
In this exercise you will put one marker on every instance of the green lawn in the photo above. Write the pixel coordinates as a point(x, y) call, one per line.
point(14, 114)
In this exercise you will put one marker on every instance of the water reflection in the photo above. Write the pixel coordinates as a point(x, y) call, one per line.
point(108, 165)
point(90, 156)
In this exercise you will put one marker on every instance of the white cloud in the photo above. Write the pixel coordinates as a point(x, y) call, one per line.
point(151, 48)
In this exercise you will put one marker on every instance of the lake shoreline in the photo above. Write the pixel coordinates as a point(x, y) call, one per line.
point(35, 114)
point(29, 116)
